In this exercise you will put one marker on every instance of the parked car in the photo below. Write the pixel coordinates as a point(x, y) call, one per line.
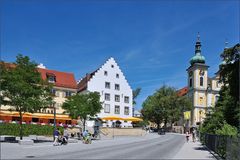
point(161, 131)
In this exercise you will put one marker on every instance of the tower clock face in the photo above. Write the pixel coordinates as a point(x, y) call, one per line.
point(201, 72)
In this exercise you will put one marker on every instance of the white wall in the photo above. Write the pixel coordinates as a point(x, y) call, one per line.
point(97, 83)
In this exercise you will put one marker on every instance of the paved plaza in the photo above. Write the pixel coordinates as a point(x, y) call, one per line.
point(150, 146)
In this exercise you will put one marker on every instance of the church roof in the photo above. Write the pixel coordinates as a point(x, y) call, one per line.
point(182, 92)
point(197, 58)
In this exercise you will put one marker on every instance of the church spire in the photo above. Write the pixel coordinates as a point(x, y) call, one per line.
point(198, 45)
point(197, 58)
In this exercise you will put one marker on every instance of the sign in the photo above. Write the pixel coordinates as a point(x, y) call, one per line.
point(187, 115)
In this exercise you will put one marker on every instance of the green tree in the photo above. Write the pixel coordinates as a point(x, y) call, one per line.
point(227, 109)
point(135, 93)
point(152, 110)
point(178, 105)
point(83, 106)
point(165, 106)
point(23, 88)
point(229, 74)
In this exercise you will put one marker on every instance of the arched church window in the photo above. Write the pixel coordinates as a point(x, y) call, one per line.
point(201, 81)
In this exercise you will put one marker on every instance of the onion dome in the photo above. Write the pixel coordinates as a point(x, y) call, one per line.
point(198, 58)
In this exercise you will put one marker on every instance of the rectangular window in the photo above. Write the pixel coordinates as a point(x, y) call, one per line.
point(107, 96)
point(201, 81)
point(117, 87)
point(117, 110)
point(126, 99)
point(117, 75)
point(53, 92)
point(105, 73)
point(68, 94)
point(107, 85)
point(107, 108)
point(126, 110)
point(117, 98)
point(190, 82)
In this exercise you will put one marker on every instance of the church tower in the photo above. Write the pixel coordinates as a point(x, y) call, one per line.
point(198, 84)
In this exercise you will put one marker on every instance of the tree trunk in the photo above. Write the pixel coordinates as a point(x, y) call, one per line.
point(20, 123)
point(165, 124)
point(158, 126)
point(171, 126)
point(84, 123)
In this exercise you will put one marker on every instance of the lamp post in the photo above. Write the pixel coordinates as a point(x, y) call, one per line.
point(54, 120)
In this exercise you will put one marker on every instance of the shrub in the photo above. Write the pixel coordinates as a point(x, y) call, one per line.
point(28, 129)
point(227, 130)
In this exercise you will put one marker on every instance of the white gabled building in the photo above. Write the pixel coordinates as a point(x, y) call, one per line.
point(115, 92)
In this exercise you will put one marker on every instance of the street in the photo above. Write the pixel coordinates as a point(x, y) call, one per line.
point(151, 146)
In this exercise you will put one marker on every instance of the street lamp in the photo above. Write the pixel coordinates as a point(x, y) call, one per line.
point(54, 115)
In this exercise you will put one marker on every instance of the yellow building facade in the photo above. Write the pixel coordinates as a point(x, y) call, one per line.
point(203, 90)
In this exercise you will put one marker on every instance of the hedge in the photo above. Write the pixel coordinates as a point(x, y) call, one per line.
point(28, 129)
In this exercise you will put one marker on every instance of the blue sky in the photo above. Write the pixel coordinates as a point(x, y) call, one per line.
point(152, 40)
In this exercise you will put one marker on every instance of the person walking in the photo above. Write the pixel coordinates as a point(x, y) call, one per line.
point(194, 135)
point(56, 135)
point(65, 135)
point(187, 136)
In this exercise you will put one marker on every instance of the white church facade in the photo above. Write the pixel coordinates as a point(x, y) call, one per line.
point(115, 92)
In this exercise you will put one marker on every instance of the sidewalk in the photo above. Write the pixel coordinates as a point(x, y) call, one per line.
point(193, 150)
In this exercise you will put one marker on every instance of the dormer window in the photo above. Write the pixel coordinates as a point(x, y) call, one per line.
point(51, 78)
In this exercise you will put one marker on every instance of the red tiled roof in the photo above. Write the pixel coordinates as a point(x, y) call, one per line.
point(182, 92)
point(82, 85)
point(63, 79)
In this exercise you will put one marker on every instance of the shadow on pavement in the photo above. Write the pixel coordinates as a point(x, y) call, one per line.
point(201, 148)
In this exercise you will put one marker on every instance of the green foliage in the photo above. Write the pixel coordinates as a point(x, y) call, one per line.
point(227, 130)
point(165, 106)
point(83, 105)
point(212, 122)
point(28, 129)
point(226, 115)
point(229, 74)
point(135, 93)
point(23, 87)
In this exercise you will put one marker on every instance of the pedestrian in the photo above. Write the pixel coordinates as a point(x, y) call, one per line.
point(56, 135)
point(194, 135)
point(187, 136)
point(65, 135)
point(65, 132)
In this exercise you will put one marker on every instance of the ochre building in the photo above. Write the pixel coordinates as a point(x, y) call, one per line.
point(64, 85)
point(203, 90)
